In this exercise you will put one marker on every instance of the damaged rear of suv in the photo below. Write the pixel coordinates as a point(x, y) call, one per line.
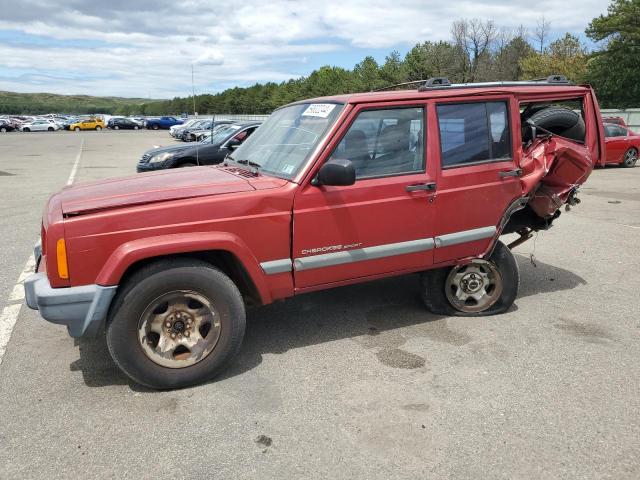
point(327, 192)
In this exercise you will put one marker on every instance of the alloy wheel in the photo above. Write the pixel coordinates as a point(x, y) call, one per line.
point(474, 287)
point(179, 329)
point(630, 157)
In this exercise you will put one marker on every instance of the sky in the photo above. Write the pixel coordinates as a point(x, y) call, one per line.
point(140, 48)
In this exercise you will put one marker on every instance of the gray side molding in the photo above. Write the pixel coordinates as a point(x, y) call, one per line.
point(465, 236)
point(276, 266)
point(360, 254)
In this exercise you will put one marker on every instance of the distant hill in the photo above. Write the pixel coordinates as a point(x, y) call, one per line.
point(13, 103)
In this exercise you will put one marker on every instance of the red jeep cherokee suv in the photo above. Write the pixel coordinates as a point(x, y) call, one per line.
point(327, 192)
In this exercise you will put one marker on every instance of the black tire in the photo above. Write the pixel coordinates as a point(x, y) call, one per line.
point(116, 127)
point(187, 164)
point(434, 283)
point(26, 129)
point(3, 130)
point(135, 127)
point(560, 121)
point(50, 129)
point(630, 158)
point(77, 129)
point(155, 126)
point(142, 289)
point(98, 128)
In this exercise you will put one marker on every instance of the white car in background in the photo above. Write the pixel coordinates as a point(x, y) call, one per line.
point(40, 126)
point(173, 131)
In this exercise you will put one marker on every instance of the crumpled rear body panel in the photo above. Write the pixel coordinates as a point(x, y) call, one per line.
point(552, 169)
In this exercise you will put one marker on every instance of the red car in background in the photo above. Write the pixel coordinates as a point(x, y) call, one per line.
point(622, 145)
point(615, 120)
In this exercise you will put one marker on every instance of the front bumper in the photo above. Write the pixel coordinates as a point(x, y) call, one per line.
point(82, 309)
point(150, 167)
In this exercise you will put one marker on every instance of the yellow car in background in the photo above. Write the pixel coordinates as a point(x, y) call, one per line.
point(90, 124)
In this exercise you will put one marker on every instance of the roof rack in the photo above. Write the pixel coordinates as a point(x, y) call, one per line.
point(438, 83)
point(389, 87)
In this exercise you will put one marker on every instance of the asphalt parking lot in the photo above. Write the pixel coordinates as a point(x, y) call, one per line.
point(355, 382)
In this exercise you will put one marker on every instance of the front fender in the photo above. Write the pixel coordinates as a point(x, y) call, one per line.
point(129, 253)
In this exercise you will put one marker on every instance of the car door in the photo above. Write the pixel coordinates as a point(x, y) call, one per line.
point(616, 143)
point(383, 222)
point(478, 172)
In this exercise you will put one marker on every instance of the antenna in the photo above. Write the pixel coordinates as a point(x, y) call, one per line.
point(193, 90)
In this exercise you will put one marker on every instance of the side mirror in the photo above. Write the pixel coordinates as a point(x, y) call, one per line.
point(233, 144)
point(336, 173)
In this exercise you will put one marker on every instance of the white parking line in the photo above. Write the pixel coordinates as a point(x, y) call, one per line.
point(72, 175)
point(10, 313)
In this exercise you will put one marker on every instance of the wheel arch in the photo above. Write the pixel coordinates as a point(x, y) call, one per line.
point(223, 251)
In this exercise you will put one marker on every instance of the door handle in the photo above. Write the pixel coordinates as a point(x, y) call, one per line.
point(511, 173)
point(421, 186)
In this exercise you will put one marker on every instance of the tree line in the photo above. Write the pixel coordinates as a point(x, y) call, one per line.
point(477, 51)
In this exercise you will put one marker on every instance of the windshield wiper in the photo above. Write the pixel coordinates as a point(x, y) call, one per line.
point(250, 163)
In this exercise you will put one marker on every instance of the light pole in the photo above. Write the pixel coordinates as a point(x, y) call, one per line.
point(193, 91)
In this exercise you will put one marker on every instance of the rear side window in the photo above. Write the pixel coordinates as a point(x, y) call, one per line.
point(614, 131)
point(473, 132)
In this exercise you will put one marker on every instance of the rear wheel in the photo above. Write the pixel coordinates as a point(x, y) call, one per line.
point(176, 323)
point(116, 127)
point(77, 129)
point(3, 129)
point(135, 127)
point(480, 287)
point(26, 129)
point(630, 158)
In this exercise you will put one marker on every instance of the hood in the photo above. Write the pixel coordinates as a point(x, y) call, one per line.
point(169, 148)
point(151, 187)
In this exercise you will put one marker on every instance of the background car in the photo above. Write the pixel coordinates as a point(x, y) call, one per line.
point(622, 145)
point(615, 120)
point(209, 152)
point(162, 122)
point(6, 126)
point(90, 124)
point(40, 126)
point(176, 130)
point(197, 132)
point(122, 123)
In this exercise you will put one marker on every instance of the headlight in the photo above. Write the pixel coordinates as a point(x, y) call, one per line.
point(161, 157)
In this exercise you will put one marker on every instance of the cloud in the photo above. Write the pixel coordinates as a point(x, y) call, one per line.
point(145, 48)
point(210, 57)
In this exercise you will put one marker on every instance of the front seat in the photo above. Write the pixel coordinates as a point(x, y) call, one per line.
point(356, 149)
point(394, 154)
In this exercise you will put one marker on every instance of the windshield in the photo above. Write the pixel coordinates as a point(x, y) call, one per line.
point(221, 135)
point(284, 141)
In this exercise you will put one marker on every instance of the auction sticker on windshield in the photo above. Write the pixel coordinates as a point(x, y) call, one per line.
point(319, 110)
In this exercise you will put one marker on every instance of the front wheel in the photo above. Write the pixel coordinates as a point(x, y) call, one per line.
point(135, 127)
point(116, 127)
point(176, 323)
point(155, 127)
point(26, 129)
point(480, 287)
point(98, 127)
point(630, 158)
point(77, 129)
point(3, 130)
